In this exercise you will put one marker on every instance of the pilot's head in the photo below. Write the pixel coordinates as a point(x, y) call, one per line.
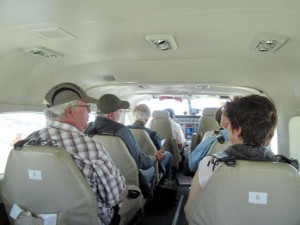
point(110, 106)
point(68, 103)
point(171, 112)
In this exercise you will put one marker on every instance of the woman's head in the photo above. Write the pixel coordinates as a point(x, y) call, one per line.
point(252, 120)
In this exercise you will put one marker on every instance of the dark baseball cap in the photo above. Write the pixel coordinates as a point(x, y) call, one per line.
point(109, 103)
point(66, 92)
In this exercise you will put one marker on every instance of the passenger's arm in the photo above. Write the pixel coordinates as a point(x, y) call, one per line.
point(195, 189)
point(111, 184)
point(200, 152)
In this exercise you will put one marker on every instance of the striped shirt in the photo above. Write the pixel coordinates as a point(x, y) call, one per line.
point(96, 165)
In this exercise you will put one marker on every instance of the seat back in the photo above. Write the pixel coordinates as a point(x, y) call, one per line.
point(207, 121)
point(218, 147)
point(249, 193)
point(144, 141)
point(162, 124)
point(146, 145)
point(120, 154)
point(46, 180)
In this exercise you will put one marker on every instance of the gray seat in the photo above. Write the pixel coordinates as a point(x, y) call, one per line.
point(119, 153)
point(161, 123)
point(146, 145)
point(251, 193)
point(46, 180)
point(207, 122)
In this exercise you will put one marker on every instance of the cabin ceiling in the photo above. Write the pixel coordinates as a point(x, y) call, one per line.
point(103, 48)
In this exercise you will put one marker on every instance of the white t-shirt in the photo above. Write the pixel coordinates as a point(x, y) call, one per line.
point(178, 132)
point(205, 172)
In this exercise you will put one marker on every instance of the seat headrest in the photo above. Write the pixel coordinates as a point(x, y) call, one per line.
point(209, 111)
point(159, 114)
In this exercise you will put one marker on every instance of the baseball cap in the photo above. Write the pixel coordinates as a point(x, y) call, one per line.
point(109, 103)
point(66, 92)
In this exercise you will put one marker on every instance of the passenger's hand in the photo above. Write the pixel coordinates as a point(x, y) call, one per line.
point(162, 149)
point(124, 194)
point(160, 155)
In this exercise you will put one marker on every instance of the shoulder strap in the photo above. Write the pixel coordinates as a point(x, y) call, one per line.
point(34, 139)
point(231, 160)
point(285, 159)
point(220, 138)
point(222, 157)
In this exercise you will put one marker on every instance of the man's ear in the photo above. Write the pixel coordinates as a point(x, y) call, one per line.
point(239, 131)
point(69, 111)
point(110, 115)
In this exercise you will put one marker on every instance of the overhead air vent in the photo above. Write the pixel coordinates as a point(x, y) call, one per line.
point(203, 86)
point(144, 87)
point(108, 78)
point(265, 42)
point(53, 33)
point(44, 52)
point(162, 42)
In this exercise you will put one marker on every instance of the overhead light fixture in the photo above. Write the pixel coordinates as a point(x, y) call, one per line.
point(267, 42)
point(44, 52)
point(203, 86)
point(162, 42)
point(266, 45)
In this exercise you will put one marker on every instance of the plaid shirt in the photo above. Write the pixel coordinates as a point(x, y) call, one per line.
point(96, 165)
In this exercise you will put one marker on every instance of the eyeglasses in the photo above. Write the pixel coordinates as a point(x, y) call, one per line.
point(88, 106)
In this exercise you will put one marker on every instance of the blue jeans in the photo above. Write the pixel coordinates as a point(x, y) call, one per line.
point(148, 174)
point(167, 162)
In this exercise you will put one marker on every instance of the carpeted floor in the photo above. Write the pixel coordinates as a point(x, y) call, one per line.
point(163, 214)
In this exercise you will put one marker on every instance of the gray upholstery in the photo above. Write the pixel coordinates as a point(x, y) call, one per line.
point(160, 114)
point(146, 145)
point(161, 123)
point(217, 147)
point(1, 183)
point(119, 153)
point(144, 141)
point(207, 122)
point(61, 186)
point(224, 200)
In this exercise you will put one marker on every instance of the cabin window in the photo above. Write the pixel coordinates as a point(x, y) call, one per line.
point(274, 143)
point(294, 127)
point(181, 106)
point(14, 127)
